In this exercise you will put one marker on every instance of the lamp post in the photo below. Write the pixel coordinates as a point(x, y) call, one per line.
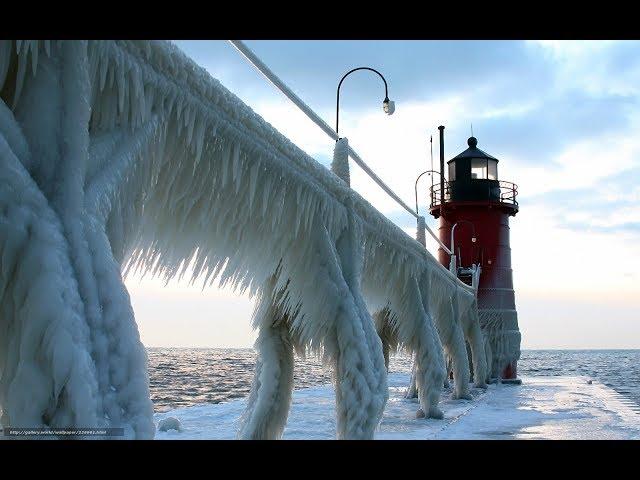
point(420, 235)
point(387, 105)
point(452, 264)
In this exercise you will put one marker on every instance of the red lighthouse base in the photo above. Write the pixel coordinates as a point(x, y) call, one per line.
point(510, 370)
point(509, 375)
point(488, 223)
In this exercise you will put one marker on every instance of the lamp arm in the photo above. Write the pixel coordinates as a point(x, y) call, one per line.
point(426, 171)
point(453, 230)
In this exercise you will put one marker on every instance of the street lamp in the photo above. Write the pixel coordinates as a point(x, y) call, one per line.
point(387, 105)
point(420, 234)
point(452, 264)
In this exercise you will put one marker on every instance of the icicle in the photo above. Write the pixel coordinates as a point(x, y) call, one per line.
point(236, 170)
point(126, 114)
point(301, 210)
point(199, 140)
point(112, 66)
point(22, 67)
point(93, 72)
point(253, 178)
point(121, 88)
point(225, 158)
point(214, 130)
point(148, 99)
point(309, 213)
point(186, 118)
point(140, 104)
point(266, 191)
point(280, 197)
point(236, 161)
point(179, 107)
point(34, 56)
point(298, 193)
point(47, 47)
point(5, 58)
point(297, 222)
point(171, 102)
point(329, 214)
point(103, 67)
point(190, 125)
point(275, 216)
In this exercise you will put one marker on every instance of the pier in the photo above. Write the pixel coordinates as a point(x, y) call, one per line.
point(560, 407)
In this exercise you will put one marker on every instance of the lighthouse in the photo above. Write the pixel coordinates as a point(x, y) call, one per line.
point(473, 207)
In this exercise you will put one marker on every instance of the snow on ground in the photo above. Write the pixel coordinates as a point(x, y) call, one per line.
point(540, 408)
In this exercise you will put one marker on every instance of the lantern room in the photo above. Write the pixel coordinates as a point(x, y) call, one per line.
point(475, 174)
point(473, 177)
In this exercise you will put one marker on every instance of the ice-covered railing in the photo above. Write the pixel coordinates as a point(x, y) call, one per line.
point(340, 167)
point(275, 80)
point(126, 155)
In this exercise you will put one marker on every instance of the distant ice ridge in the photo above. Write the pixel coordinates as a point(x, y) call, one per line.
point(121, 156)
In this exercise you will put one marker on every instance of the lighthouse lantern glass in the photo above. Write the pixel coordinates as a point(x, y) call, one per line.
point(452, 171)
point(479, 168)
point(492, 169)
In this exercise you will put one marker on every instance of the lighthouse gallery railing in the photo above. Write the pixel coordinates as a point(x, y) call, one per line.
point(504, 192)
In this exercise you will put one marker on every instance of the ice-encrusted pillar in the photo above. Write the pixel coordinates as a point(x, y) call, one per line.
point(268, 404)
point(420, 233)
point(361, 376)
point(52, 110)
point(340, 163)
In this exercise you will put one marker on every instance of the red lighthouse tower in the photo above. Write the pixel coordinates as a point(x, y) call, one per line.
point(474, 207)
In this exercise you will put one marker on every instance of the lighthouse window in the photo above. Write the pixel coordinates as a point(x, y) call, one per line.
point(493, 169)
point(478, 169)
point(452, 171)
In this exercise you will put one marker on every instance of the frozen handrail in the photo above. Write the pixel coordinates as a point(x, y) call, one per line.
point(273, 78)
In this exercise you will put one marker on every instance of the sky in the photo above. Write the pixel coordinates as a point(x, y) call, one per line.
point(562, 117)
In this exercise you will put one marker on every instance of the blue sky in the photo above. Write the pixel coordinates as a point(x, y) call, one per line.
point(562, 118)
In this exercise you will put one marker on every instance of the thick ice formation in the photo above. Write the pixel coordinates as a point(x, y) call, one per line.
point(120, 156)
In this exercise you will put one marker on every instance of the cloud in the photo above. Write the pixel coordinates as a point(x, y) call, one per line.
point(595, 66)
point(608, 206)
point(540, 133)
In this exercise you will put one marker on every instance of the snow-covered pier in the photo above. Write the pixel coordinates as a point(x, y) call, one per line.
point(541, 408)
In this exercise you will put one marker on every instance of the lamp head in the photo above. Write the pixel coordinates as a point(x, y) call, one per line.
point(473, 239)
point(388, 106)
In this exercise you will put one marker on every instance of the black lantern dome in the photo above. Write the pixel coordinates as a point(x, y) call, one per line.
point(473, 164)
point(473, 175)
point(473, 178)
